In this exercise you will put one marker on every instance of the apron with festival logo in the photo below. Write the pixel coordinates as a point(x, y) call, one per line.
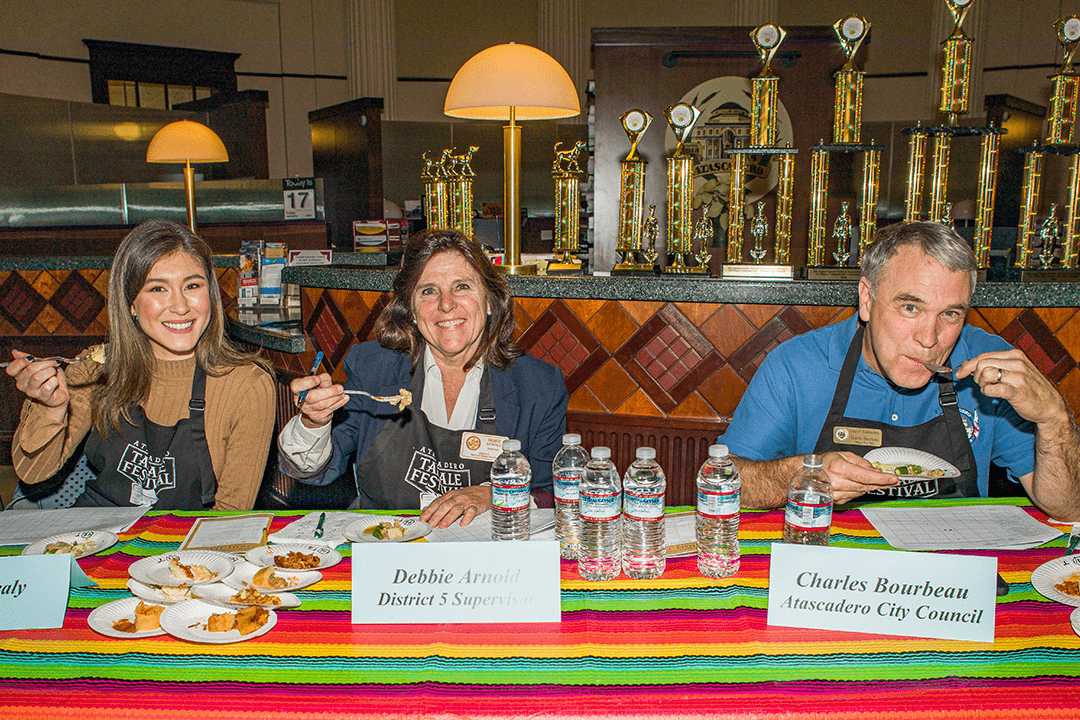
point(166, 467)
point(943, 436)
point(414, 461)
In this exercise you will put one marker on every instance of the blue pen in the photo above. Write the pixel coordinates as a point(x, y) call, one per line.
point(314, 369)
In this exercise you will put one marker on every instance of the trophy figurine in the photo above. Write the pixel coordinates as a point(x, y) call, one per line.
point(565, 170)
point(632, 197)
point(842, 233)
point(956, 72)
point(1049, 235)
point(680, 187)
point(650, 231)
point(703, 234)
point(759, 228)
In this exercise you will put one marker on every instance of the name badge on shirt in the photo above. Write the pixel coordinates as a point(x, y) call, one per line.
point(480, 446)
point(867, 437)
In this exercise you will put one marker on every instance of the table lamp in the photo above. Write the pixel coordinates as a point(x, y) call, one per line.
point(185, 141)
point(512, 82)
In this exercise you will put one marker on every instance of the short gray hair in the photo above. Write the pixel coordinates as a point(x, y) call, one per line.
point(937, 241)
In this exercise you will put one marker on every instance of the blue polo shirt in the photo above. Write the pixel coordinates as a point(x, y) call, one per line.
point(784, 408)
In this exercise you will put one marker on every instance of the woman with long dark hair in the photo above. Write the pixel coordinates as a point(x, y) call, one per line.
point(173, 415)
point(446, 337)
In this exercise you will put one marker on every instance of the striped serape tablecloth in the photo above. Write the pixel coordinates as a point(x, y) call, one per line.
point(678, 646)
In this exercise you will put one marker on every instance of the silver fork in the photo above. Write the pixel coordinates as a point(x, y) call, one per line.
point(31, 358)
point(935, 368)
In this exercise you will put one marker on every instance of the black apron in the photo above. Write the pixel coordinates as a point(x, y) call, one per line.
point(150, 464)
point(943, 436)
point(413, 461)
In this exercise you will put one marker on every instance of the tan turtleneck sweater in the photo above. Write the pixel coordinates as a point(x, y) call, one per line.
point(239, 421)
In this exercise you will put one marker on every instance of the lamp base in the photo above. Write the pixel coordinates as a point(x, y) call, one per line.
point(516, 269)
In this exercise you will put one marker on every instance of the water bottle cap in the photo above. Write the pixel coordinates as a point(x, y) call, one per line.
point(718, 451)
point(511, 445)
point(646, 453)
point(601, 453)
point(814, 462)
point(571, 439)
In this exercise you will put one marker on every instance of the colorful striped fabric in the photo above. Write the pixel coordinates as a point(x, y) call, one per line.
point(679, 646)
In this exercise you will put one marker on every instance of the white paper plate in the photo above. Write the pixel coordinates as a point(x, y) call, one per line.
point(910, 456)
point(155, 570)
point(90, 542)
point(186, 620)
point(154, 593)
point(414, 528)
point(245, 571)
point(221, 594)
point(265, 555)
point(1074, 618)
point(1049, 573)
point(102, 618)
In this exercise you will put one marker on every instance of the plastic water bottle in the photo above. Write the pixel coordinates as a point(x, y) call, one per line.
point(718, 499)
point(808, 515)
point(644, 551)
point(510, 479)
point(567, 469)
point(599, 502)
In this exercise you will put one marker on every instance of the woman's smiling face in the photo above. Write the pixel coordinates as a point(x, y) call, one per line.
point(450, 306)
point(173, 306)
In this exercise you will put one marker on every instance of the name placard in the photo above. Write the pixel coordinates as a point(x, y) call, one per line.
point(950, 597)
point(34, 590)
point(471, 582)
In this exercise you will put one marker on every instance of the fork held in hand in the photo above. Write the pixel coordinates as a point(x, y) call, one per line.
point(935, 368)
point(31, 358)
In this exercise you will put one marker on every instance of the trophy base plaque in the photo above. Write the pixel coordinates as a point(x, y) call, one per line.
point(1050, 275)
point(635, 270)
point(563, 268)
point(684, 270)
point(744, 271)
point(811, 272)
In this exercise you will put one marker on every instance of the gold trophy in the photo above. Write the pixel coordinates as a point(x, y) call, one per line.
point(650, 232)
point(680, 191)
point(565, 170)
point(632, 198)
point(764, 96)
point(1060, 142)
point(955, 87)
point(851, 31)
point(459, 181)
point(436, 201)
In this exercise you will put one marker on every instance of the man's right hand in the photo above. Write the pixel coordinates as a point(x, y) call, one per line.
point(852, 476)
point(323, 398)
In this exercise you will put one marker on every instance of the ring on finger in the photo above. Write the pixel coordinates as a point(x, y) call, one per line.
point(1001, 374)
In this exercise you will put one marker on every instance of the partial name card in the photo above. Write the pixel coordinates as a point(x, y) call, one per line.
point(34, 590)
point(470, 582)
point(951, 597)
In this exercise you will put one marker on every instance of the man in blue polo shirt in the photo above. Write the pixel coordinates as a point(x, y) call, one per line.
point(843, 390)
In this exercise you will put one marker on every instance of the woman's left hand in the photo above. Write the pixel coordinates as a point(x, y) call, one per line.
point(465, 503)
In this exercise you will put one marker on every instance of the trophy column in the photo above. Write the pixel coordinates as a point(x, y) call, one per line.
point(680, 192)
point(632, 201)
point(435, 192)
point(565, 171)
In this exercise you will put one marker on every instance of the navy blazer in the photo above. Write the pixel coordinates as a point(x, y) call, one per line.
point(530, 405)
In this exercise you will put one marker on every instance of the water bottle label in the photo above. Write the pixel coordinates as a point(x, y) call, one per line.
point(510, 497)
point(718, 505)
point(808, 516)
point(644, 506)
point(566, 488)
point(599, 505)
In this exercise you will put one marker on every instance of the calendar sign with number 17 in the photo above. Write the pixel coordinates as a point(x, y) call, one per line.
point(299, 198)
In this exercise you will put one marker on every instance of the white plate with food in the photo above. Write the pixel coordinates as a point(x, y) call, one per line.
point(161, 594)
point(1074, 618)
point(1059, 579)
point(381, 528)
point(126, 619)
point(80, 544)
point(203, 622)
point(183, 567)
point(271, 579)
point(293, 556)
point(909, 462)
point(224, 595)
